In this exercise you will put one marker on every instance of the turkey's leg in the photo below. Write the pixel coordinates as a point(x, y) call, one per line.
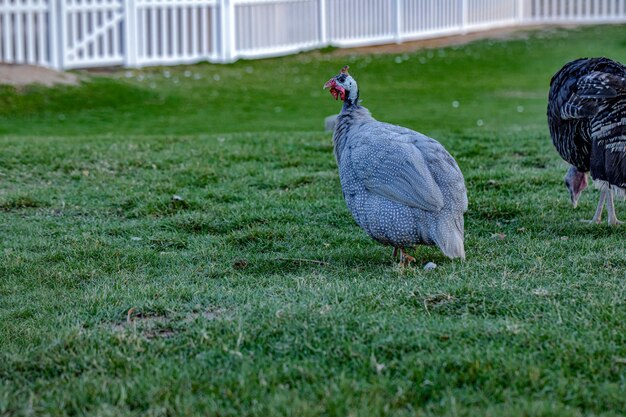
point(610, 208)
point(597, 218)
point(395, 252)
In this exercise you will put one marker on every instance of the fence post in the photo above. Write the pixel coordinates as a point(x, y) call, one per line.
point(227, 31)
point(464, 16)
point(61, 35)
point(322, 23)
point(130, 33)
point(398, 21)
point(53, 34)
point(520, 11)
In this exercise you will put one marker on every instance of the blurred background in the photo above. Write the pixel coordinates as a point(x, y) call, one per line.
point(64, 34)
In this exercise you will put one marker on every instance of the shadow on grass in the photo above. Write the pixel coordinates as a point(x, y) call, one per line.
point(22, 202)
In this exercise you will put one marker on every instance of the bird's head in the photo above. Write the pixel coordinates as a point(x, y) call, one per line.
point(576, 182)
point(343, 86)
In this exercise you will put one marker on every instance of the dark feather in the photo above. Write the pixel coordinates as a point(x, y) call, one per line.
point(598, 85)
point(587, 117)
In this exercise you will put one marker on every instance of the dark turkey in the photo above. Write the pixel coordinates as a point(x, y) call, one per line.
point(587, 120)
point(403, 188)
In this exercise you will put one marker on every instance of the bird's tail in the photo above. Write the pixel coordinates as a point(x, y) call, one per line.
point(449, 237)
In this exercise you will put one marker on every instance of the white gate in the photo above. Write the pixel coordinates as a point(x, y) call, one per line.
point(92, 33)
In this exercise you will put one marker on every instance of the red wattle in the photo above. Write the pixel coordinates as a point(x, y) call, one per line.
point(343, 93)
point(336, 90)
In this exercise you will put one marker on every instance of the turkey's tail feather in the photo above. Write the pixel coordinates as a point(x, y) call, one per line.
point(449, 237)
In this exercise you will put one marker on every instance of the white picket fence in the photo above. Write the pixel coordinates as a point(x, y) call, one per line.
point(67, 34)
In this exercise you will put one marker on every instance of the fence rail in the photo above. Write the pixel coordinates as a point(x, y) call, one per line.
point(67, 34)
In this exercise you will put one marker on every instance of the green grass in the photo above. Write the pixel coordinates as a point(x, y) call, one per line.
point(254, 293)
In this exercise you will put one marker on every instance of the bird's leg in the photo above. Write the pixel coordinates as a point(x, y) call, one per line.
point(610, 208)
point(405, 259)
point(395, 252)
point(597, 218)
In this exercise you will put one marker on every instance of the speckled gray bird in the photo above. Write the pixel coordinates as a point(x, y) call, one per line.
point(587, 120)
point(402, 187)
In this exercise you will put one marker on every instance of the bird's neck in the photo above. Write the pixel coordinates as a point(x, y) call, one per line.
point(350, 118)
point(352, 101)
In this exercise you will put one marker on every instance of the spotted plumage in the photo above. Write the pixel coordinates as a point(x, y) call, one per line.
point(402, 187)
point(587, 120)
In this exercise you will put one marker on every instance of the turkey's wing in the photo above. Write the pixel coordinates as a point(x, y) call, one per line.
point(592, 92)
point(600, 85)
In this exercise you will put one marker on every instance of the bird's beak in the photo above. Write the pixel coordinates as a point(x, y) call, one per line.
point(330, 83)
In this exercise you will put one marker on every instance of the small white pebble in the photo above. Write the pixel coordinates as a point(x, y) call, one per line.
point(398, 60)
point(177, 198)
point(479, 122)
point(187, 74)
point(249, 70)
point(166, 74)
point(430, 266)
point(456, 104)
point(520, 109)
point(216, 77)
point(135, 238)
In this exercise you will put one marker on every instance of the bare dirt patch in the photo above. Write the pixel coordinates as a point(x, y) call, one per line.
point(208, 314)
point(21, 75)
point(149, 326)
point(153, 326)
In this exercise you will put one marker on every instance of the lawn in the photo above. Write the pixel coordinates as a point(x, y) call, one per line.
point(174, 241)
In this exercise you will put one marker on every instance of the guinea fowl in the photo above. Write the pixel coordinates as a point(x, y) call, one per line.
point(403, 188)
point(587, 120)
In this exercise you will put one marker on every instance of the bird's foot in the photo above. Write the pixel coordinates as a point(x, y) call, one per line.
point(591, 221)
point(405, 259)
point(615, 222)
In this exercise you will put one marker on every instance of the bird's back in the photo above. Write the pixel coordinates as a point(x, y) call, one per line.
point(574, 113)
point(402, 187)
